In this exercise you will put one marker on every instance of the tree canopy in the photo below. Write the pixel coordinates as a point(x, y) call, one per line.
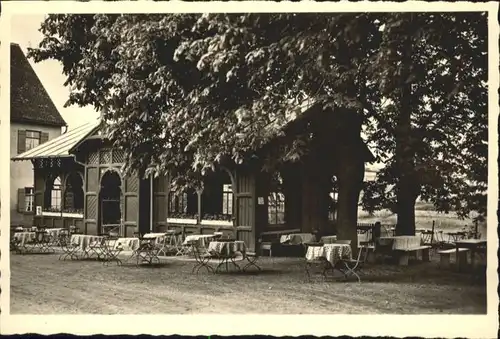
point(179, 92)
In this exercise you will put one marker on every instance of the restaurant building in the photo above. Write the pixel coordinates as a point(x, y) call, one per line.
point(242, 200)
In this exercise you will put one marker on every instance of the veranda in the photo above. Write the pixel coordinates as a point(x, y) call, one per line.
point(78, 182)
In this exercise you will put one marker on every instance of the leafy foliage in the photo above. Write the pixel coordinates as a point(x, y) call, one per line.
point(447, 139)
point(181, 92)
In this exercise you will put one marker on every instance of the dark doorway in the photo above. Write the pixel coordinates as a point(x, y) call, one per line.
point(110, 202)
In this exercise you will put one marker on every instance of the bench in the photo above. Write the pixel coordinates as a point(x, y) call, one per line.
point(270, 240)
point(404, 254)
point(445, 255)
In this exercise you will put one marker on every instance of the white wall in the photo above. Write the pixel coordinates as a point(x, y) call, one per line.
point(21, 172)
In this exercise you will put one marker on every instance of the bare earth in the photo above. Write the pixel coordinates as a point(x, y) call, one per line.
point(40, 284)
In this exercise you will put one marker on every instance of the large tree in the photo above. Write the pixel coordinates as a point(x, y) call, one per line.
point(180, 92)
point(432, 134)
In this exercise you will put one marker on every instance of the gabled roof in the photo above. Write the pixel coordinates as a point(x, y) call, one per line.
point(59, 147)
point(29, 101)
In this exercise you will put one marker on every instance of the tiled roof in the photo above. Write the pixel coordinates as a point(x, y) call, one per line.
point(29, 100)
point(60, 146)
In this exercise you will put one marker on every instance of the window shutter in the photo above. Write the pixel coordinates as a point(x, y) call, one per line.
point(44, 137)
point(21, 200)
point(21, 141)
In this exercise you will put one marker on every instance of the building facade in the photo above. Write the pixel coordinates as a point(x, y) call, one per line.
point(78, 181)
point(34, 121)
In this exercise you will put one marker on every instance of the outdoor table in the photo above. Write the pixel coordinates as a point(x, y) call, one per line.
point(173, 240)
point(160, 240)
point(332, 255)
point(23, 238)
point(472, 245)
point(331, 252)
point(202, 239)
point(455, 236)
point(146, 251)
point(328, 239)
point(297, 238)
point(127, 244)
point(88, 244)
point(53, 234)
point(401, 242)
point(226, 251)
point(42, 241)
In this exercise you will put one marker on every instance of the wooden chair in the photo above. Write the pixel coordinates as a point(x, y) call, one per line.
point(265, 246)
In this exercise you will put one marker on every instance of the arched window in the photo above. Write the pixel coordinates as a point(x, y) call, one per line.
point(55, 195)
point(73, 193)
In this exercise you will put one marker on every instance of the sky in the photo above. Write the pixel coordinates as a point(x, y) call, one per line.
point(24, 31)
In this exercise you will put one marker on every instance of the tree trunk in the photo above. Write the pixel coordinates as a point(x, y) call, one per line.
point(350, 175)
point(406, 187)
point(315, 191)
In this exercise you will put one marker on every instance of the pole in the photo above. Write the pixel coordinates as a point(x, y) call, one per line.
point(151, 203)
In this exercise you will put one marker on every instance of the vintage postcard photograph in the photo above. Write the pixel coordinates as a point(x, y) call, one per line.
point(286, 168)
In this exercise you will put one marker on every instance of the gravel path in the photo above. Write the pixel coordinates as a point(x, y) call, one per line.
point(40, 284)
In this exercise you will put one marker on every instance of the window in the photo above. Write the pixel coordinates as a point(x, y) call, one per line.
point(227, 199)
point(332, 208)
point(177, 204)
point(276, 208)
point(32, 139)
point(55, 195)
point(29, 199)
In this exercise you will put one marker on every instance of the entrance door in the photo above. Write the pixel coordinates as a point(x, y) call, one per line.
point(110, 203)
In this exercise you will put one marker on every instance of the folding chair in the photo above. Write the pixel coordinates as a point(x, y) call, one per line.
point(322, 262)
point(111, 251)
point(350, 266)
point(203, 258)
point(252, 258)
point(69, 250)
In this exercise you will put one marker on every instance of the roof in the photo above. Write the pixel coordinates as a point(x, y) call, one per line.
point(29, 102)
point(59, 147)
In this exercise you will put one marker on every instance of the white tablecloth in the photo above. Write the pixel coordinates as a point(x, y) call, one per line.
point(297, 238)
point(53, 232)
point(84, 240)
point(227, 247)
point(203, 239)
point(126, 244)
point(25, 237)
point(154, 235)
point(402, 242)
point(332, 252)
point(328, 239)
point(158, 237)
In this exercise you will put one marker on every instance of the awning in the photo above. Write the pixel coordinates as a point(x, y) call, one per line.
point(58, 147)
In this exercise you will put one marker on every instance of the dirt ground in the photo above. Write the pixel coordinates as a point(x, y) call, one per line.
point(40, 284)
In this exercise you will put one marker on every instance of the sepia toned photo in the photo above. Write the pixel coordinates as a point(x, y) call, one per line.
point(280, 163)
